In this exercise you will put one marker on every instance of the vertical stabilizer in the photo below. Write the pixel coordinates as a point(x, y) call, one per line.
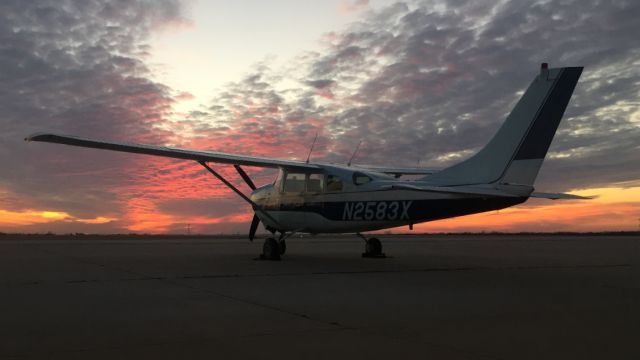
point(515, 153)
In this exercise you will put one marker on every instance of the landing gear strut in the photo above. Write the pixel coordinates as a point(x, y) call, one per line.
point(372, 248)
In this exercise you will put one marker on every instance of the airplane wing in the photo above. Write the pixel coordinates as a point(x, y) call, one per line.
point(398, 171)
point(176, 153)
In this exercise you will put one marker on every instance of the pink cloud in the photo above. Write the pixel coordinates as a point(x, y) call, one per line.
point(347, 7)
point(185, 95)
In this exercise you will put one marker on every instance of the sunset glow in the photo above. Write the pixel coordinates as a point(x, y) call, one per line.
point(614, 209)
point(419, 83)
point(29, 217)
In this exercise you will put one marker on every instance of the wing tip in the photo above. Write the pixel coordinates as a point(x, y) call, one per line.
point(37, 136)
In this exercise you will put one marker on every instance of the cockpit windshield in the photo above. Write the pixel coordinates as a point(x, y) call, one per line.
point(298, 182)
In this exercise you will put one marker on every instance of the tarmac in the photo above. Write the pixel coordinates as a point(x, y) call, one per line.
point(433, 297)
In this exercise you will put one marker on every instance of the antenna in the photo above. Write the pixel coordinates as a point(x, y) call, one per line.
point(312, 145)
point(354, 153)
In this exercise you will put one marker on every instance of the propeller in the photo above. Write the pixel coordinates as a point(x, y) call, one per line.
point(256, 220)
point(245, 177)
point(254, 227)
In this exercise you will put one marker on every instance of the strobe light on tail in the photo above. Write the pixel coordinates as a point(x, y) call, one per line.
point(332, 198)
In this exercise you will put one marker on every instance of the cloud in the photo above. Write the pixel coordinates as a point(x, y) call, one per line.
point(425, 82)
point(430, 83)
point(551, 218)
point(346, 7)
point(76, 67)
point(613, 209)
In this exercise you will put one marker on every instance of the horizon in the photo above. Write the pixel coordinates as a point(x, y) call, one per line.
point(339, 235)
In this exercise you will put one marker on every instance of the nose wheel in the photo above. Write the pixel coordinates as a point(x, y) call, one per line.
point(272, 249)
point(372, 248)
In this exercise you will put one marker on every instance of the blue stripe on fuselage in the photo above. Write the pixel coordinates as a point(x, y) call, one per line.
point(409, 211)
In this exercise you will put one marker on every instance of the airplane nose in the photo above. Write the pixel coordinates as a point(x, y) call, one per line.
point(261, 193)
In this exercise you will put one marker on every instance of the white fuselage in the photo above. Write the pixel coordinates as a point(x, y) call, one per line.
point(371, 204)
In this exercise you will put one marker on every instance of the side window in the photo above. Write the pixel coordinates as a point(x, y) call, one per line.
point(315, 183)
point(334, 183)
point(360, 178)
point(294, 182)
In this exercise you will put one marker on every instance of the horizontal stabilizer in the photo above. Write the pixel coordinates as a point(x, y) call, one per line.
point(398, 170)
point(454, 190)
point(557, 196)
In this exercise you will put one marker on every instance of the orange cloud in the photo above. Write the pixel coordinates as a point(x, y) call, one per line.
point(29, 217)
point(96, 220)
point(614, 209)
point(144, 216)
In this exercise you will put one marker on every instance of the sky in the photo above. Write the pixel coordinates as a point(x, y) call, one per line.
point(418, 82)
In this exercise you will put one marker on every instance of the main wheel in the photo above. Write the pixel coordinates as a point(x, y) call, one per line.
point(373, 247)
point(283, 246)
point(270, 249)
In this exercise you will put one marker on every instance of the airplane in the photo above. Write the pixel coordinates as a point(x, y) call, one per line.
point(315, 197)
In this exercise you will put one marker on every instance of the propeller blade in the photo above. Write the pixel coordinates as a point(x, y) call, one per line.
point(245, 177)
point(254, 227)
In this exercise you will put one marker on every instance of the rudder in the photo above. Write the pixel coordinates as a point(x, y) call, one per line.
point(527, 161)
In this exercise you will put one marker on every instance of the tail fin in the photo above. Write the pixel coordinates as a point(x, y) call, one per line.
point(515, 153)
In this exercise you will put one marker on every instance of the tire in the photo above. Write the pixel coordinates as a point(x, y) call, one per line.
point(373, 247)
point(270, 249)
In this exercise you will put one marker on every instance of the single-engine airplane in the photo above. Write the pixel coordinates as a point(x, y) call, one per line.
point(311, 197)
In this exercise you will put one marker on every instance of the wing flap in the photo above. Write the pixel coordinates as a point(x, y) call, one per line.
point(171, 152)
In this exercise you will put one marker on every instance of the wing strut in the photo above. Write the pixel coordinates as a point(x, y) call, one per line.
point(255, 206)
point(256, 220)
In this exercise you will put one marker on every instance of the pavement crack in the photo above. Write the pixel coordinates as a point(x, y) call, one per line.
point(145, 277)
point(261, 305)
